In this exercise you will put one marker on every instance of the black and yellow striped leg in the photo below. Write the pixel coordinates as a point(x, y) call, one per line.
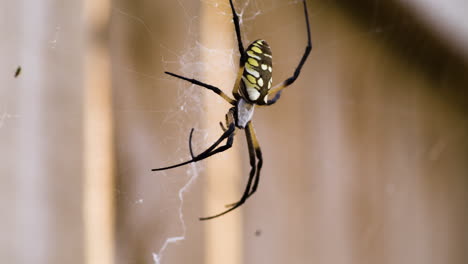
point(277, 96)
point(207, 86)
point(254, 147)
point(293, 78)
point(254, 154)
point(258, 154)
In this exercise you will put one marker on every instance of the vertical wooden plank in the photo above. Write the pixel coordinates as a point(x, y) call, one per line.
point(223, 235)
point(31, 180)
point(41, 132)
point(99, 167)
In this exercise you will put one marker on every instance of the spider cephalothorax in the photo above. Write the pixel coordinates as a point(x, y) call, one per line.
point(252, 87)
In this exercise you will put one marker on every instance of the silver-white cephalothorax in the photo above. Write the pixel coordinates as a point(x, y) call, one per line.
point(244, 113)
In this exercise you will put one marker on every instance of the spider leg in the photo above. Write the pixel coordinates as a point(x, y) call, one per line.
point(222, 126)
point(254, 152)
point(229, 134)
point(277, 96)
point(190, 143)
point(242, 59)
point(293, 78)
point(258, 153)
point(207, 86)
point(235, 18)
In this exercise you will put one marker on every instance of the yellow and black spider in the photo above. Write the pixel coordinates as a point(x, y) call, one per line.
point(252, 87)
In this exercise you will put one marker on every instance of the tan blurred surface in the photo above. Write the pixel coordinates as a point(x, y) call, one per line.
point(364, 156)
point(222, 239)
point(98, 155)
point(41, 132)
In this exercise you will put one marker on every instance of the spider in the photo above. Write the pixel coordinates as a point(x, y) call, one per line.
point(252, 87)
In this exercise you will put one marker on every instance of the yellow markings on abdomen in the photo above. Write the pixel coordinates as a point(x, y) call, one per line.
point(256, 78)
point(251, 79)
point(251, 89)
point(251, 54)
point(252, 62)
point(257, 50)
point(252, 71)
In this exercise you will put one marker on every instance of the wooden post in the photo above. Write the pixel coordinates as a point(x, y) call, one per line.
point(223, 173)
point(99, 172)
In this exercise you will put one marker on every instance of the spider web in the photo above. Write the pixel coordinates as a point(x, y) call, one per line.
point(188, 108)
point(5, 116)
point(188, 100)
point(160, 210)
point(184, 112)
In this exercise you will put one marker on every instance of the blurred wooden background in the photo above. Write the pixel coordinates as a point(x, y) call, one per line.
point(365, 156)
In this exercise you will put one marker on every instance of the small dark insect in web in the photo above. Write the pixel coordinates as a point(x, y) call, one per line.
point(18, 71)
point(252, 87)
point(258, 232)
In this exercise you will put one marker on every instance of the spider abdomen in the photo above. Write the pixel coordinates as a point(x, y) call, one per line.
point(257, 79)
